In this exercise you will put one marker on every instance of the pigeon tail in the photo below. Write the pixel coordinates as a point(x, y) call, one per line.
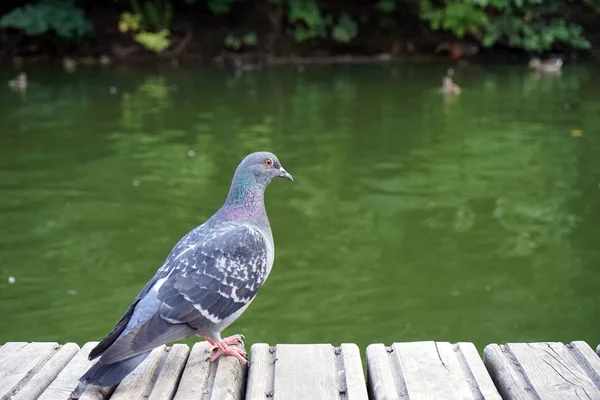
point(107, 375)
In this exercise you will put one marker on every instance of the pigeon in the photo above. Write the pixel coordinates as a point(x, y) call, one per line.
point(208, 280)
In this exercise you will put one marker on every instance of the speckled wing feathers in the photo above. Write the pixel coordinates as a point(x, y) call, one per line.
point(217, 277)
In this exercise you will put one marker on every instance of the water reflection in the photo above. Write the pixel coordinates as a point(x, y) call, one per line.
point(411, 217)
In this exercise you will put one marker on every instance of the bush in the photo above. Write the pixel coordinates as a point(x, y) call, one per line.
point(532, 25)
point(62, 17)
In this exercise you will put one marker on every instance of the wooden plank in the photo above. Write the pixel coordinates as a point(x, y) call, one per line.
point(138, 384)
point(9, 348)
point(22, 363)
point(229, 379)
point(431, 371)
point(260, 373)
point(305, 371)
point(384, 377)
point(40, 381)
point(506, 374)
point(201, 379)
point(68, 378)
point(170, 372)
point(195, 379)
point(428, 370)
point(353, 378)
point(588, 360)
point(541, 371)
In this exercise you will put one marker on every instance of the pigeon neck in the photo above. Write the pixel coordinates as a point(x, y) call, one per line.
point(246, 197)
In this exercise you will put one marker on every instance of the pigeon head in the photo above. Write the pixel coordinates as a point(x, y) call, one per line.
point(261, 168)
point(253, 175)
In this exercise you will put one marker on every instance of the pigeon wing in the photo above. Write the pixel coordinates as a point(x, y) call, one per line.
point(116, 332)
point(207, 283)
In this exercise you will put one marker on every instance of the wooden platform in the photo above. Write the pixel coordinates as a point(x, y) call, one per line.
point(413, 371)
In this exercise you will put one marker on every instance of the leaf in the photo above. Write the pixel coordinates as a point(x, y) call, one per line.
point(154, 41)
point(345, 30)
point(250, 39)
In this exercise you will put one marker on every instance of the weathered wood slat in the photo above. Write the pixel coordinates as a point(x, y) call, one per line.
point(170, 373)
point(230, 379)
point(21, 363)
point(353, 380)
point(305, 372)
point(68, 378)
point(194, 381)
point(223, 379)
point(260, 374)
point(9, 348)
point(427, 370)
point(543, 371)
point(588, 360)
point(138, 384)
point(383, 376)
point(40, 381)
point(296, 371)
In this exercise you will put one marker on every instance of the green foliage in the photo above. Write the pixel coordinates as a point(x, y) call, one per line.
point(386, 6)
point(534, 36)
point(60, 16)
point(218, 7)
point(345, 30)
point(155, 16)
point(459, 17)
point(154, 41)
point(235, 42)
point(307, 20)
point(531, 25)
point(149, 23)
point(129, 22)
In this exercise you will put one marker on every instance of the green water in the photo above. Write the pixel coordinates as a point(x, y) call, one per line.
point(412, 216)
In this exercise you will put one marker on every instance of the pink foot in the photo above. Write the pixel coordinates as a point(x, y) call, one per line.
point(228, 341)
point(228, 347)
point(230, 351)
point(234, 340)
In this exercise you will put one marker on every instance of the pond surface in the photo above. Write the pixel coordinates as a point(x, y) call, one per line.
point(413, 216)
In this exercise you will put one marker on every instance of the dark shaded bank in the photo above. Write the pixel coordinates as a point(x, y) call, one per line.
point(244, 33)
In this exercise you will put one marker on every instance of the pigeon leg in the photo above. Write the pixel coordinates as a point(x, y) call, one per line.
point(209, 340)
point(224, 349)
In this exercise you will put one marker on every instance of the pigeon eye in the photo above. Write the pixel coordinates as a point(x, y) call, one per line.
point(268, 162)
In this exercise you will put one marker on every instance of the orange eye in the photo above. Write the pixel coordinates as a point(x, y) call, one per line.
point(268, 162)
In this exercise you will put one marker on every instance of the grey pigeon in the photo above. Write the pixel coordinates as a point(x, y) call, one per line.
point(208, 280)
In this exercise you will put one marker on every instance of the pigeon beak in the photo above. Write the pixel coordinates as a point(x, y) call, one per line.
point(285, 174)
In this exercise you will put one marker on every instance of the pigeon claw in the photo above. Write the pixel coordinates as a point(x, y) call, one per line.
point(224, 350)
point(235, 340)
point(228, 347)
